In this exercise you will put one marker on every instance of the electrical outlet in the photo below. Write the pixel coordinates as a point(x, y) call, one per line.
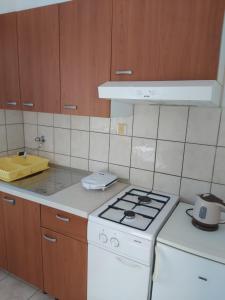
point(121, 128)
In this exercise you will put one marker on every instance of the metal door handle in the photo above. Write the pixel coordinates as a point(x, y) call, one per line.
point(29, 104)
point(127, 263)
point(49, 239)
point(9, 201)
point(64, 219)
point(124, 72)
point(11, 103)
point(70, 106)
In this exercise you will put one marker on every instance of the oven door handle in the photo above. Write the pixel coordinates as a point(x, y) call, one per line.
point(127, 262)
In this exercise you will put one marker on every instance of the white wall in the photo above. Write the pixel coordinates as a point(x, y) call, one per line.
point(17, 5)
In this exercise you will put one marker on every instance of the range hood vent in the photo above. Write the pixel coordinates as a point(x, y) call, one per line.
point(188, 92)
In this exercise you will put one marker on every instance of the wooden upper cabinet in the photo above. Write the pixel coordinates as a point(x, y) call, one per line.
point(23, 238)
point(166, 40)
point(85, 53)
point(38, 37)
point(9, 67)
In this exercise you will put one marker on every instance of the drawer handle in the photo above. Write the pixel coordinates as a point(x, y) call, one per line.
point(49, 239)
point(62, 218)
point(28, 104)
point(70, 106)
point(202, 278)
point(124, 72)
point(9, 201)
point(11, 103)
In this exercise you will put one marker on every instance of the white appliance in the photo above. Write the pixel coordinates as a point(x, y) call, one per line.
point(121, 239)
point(99, 181)
point(190, 263)
point(188, 92)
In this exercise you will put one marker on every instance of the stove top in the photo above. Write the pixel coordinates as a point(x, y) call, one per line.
point(136, 208)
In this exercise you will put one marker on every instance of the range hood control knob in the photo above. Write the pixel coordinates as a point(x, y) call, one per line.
point(114, 242)
point(103, 238)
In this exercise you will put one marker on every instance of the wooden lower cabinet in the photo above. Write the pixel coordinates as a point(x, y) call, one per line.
point(23, 238)
point(3, 260)
point(65, 266)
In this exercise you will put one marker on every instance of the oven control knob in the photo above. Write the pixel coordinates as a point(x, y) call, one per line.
point(103, 238)
point(114, 242)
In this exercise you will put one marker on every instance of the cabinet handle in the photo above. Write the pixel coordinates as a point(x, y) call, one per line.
point(11, 103)
point(29, 104)
point(124, 72)
point(70, 106)
point(9, 201)
point(49, 239)
point(202, 278)
point(62, 218)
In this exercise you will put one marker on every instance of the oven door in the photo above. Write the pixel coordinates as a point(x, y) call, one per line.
point(114, 277)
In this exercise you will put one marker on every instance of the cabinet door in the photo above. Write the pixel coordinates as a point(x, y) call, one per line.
point(9, 67)
point(166, 40)
point(23, 238)
point(180, 275)
point(65, 266)
point(38, 37)
point(85, 52)
point(3, 259)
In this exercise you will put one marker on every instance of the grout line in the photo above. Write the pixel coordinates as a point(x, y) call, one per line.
point(217, 141)
point(131, 149)
point(184, 150)
point(156, 147)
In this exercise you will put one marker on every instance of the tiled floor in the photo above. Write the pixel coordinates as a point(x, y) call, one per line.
point(11, 288)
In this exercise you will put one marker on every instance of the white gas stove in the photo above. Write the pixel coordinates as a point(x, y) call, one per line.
point(121, 237)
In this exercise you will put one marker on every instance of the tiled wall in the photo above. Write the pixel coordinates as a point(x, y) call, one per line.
point(179, 150)
point(11, 132)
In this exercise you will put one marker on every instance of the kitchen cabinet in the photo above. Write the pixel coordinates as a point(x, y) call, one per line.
point(166, 40)
point(9, 66)
point(38, 39)
point(85, 54)
point(180, 275)
point(23, 238)
point(3, 259)
point(64, 245)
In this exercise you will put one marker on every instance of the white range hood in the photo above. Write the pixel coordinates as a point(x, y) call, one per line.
point(17, 5)
point(188, 92)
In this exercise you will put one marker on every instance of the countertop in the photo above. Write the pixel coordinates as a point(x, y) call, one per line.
point(74, 199)
point(179, 233)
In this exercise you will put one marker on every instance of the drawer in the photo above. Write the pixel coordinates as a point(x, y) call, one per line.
point(63, 222)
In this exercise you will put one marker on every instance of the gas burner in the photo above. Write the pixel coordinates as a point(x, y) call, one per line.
point(144, 199)
point(129, 214)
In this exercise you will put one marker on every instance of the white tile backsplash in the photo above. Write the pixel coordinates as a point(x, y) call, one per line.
point(151, 151)
point(15, 136)
point(166, 183)
point(146, 121)
point(143, 154)
point(190, 188)
point(99, 146)
point(62, 141)
point(80, 143)
point(219, 169)
point(221, 141)
point(173, 123)
point(141, 178)
point(198, 162)
point(120, 150)
point(203, 125)
point(45, 119)
point(169, 157)
point(100, 124)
